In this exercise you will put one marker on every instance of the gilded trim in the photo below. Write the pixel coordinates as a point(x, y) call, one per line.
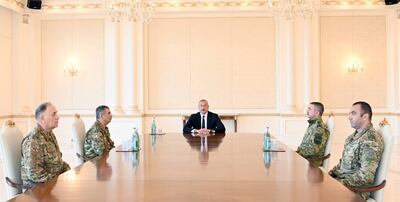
point(17, 3)
point(10, 123)
point(5, 116)
point(265, 4)
point(384, 122)
point(72, 6)
point(217, 4)
point(23, 116)
point(200, 4)
point(351, 2)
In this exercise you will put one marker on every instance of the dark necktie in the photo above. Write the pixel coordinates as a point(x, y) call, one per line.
point(203, 123)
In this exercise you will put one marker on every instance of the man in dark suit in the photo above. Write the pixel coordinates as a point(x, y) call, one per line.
point(204, 121)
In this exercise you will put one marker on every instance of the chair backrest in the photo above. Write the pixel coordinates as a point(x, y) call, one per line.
point(380, 175)
point(10, 145)
point(78, 135)
point(330, 122)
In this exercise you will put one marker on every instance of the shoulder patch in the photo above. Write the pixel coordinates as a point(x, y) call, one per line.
point(318, 138)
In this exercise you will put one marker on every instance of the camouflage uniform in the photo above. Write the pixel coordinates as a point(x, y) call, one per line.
point(40, 157)
point(315, 139)
point(97, 141)
point(361, 155)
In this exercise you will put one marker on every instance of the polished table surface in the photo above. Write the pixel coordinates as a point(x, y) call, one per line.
point(176, 167)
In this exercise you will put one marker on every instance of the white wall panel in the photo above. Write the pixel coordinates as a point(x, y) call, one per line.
point(169, 64)
point(257, 124)
point(211, 61)
point(5, 61)
point(254, 63)
point(342, 39)
point(89, 46)
point(26, 65)
point(62, 39)
point(5, 22)
point(56, 48)
point(224, 60)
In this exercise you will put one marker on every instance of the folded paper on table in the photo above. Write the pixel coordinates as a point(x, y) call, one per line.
point(274, 150)
point(126, 150)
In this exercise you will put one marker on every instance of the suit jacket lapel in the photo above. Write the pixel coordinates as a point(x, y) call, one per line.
point(209, 120)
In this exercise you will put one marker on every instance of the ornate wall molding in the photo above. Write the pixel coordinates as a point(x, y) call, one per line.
point(263, 4)
point(352, 2)
point(200, 4)
point(72, 6)
point(18, 3)
point(212, 4)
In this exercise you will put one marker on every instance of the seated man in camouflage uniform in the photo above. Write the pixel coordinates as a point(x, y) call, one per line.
point(98, 140)
point(317, 134)
point(40, 155)
point(362, 151)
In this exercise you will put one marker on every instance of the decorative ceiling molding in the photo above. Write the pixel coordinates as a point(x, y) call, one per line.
point(244, 3)
point(352, 2)
point(214, 4)
point(72, 6)
point(199, 4)
point(17, 3)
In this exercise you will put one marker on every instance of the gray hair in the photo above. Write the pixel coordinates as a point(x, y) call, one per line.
point(40, 109)
point(100, 109)
point(203, 100)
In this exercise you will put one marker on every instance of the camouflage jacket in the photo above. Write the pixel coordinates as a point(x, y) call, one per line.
point(314, 140)
point(97, 141)
point(360, 159)
point(40, 157)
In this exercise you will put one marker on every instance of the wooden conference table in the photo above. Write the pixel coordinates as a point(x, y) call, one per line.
point(176, 167)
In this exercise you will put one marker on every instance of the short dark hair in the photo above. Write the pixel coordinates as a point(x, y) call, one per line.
point(365, 108)
point(319, 106)
point(40, 109)
point(100, 109)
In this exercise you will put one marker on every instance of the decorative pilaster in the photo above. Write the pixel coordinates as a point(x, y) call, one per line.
point(26, 75)
point(139, 66)
point(287, 66)
point(127, 58)
point(112, 65)
point(307, 64)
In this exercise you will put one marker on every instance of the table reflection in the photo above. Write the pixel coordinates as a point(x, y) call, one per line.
point(204, 143)
point(314, 174)
point(132, 157)
point(268, 158)
point(153, 141)
point(103, 168)
point(43, 192)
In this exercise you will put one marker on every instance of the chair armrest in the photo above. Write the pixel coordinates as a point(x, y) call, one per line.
point(82, 157)
point(368, 188)
point(14, 184)
point(321, 158)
